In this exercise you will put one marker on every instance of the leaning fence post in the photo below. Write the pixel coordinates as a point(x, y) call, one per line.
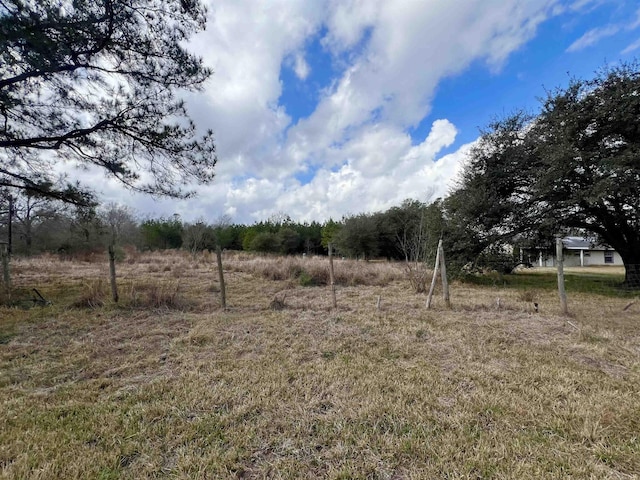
point(561, 291)
point(435, 275)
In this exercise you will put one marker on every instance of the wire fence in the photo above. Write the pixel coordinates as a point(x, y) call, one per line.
point(527, 288)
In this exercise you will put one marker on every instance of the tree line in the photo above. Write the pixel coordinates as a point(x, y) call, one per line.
point(96, 84)
point(41, 224)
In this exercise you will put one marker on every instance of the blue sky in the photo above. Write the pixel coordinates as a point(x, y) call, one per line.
point(323, 108)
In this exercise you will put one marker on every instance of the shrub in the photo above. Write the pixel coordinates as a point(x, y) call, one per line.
point(418, 275)
point(305, 279)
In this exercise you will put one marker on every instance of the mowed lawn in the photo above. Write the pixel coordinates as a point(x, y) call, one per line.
point(280, 385)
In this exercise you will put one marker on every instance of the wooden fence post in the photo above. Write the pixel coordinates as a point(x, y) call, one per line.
point(443, 273)
point(6, 276)
point(561, 291)
point(112, 272)
point(223, 289)
point(332, 280)
point(435, 275)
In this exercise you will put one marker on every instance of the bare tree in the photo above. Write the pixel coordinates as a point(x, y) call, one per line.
point(417, 226)
point(196, 236)
point(117, 218)
point(30, 210)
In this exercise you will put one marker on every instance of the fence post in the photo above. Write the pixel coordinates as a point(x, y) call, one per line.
point(332, 277)
point(223, 289)
point(561, 291)
point(112, 272)
point(6, 276)
point(435, 275)
point(443, 272)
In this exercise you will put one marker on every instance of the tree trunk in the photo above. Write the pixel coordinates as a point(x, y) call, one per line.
point(630, 254)
point(631, 270)
point(28, 238)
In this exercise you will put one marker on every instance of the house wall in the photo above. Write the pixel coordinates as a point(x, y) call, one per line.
point(598, 259)
point(572, 258)
point(591, 257)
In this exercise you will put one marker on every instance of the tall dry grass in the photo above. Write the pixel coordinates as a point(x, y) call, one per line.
point(314, 270)
point(295, 389)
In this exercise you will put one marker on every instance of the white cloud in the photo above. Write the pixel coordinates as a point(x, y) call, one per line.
point(394, 55)
point(636, 23)
point(592, 37)
point(381, 169)
point(301, 67)
point(355, 146)
point(348, 21)
point(245, 43)
point(586, 5)
point(631, 47)
point(412, 47)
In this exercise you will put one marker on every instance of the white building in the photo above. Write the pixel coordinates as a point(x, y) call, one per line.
point(580, 252)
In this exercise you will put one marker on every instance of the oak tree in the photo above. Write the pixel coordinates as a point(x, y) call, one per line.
point(574, 166)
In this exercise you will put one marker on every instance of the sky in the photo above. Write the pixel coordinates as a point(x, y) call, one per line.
point(326, 108)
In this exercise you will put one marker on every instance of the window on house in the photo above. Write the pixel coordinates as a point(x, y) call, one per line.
point(608, 256)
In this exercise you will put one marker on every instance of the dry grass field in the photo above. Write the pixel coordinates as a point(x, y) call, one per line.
point(167, 385)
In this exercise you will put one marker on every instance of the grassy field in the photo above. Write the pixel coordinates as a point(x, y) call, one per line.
point(168, 385)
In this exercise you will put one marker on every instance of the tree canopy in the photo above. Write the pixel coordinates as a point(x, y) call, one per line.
point(573, 167)
point(98, 82)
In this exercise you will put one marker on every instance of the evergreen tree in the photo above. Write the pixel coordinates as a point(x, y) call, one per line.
point(95, 82)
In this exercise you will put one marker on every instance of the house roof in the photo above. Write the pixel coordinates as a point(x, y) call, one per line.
point(582, 243)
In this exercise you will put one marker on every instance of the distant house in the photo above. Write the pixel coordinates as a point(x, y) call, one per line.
point(578, 252)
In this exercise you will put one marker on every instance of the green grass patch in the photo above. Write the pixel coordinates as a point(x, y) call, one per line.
point(607, 284)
